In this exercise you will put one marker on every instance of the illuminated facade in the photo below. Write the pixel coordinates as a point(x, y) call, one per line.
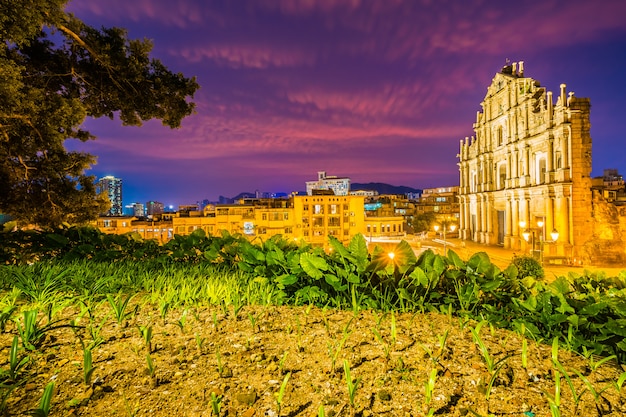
point(310, 218)
point(112, 187)
point(527, 169)
point(339, 185)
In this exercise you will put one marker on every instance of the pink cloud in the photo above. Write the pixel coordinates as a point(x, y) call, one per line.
point(246, 55)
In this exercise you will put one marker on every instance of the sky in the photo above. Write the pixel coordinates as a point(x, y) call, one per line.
point(374, 90)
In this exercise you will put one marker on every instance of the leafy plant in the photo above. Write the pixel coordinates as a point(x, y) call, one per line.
point(16, 362)
point(88, 368)
point(527, 266)
point(146, 334)
point(281, 393)
point(44, 404)
point(216, 403)
point(119, 304)
point(351, 384)
point(429, 388)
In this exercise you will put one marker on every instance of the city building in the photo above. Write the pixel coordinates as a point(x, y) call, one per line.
point(525, 174)
point(309, 218)
point(339, 185)
point(135, 209)
point(112, 187)
point(611, 186)
point(154, 207)
point(441, 201)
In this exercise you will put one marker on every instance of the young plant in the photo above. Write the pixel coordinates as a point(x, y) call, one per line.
point(281, 363)
point(88, 367)
point(429, 388)
point(253, 320)
point(44, 404)
point(199, 342)
point(16, 363)
point(216, 404)
point(119, 306)
point(281, 393)
point(150, 367)
point(352, 385)
point(146, 334)
point(182, 321)
point(555, 399)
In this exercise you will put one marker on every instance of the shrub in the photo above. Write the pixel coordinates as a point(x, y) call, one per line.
point(527, 266)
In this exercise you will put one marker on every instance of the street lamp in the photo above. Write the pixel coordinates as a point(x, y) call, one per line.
point(444, 228)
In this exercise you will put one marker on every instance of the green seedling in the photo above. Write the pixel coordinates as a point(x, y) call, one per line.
point(524, 353)
point(199, 341)
point(281, 363)
point(352, 385)
point(620, 382)
point(281, 393)
point(385, 346)
point(118, 306)
point(150, 366)
point(182, 321)
point(215, 321)
point(321, 412)
point(557, 364)
point(44, 404)
point(16, 363)
point(164, 308)
point(394, 334)
point(216, 403)
point(555, 399)
point(429, 388)
point(490, 361)
point(253, 321)
point(88, 367)
point(31, 332)
point(146, 334)
point(596, 394)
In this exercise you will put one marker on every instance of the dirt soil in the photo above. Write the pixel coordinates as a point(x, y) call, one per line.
point(242, 360)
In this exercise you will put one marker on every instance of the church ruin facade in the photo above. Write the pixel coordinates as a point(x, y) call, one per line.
point(525, 175)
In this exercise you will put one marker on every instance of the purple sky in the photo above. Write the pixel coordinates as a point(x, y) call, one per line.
point(378, 91)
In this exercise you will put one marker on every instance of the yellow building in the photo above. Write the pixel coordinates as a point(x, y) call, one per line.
point(310, 218)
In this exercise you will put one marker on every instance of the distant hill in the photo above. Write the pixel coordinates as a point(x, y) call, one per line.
point(380, 187)
point(383, 188)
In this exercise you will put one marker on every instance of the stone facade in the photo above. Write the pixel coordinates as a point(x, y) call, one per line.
point(527, 169)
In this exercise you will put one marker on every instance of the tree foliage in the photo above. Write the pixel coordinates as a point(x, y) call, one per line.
point(55, 71)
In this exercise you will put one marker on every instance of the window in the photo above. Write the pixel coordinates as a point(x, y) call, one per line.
point(288, 230)
point(334, 221)
point(305, 220)
point(285, 216)
point(318, 221)
point(275, 216)
point(264, 216)
point(318, 209)
point(334, 209)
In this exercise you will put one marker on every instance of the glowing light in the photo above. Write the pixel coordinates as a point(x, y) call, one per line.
point(391, 255)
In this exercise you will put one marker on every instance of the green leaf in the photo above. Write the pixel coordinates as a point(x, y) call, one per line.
point(313, 265)
point(479, 262)
point(456, 260)
point(419, 277)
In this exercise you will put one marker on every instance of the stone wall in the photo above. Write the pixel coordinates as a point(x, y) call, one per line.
point(607, 246)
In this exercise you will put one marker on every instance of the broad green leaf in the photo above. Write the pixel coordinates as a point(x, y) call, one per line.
point(456, 260)
point(419, 277)
point(313, 265)
point(286, 280)
point(479, 262)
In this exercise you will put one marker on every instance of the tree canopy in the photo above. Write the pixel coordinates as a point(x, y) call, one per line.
point(55, 71)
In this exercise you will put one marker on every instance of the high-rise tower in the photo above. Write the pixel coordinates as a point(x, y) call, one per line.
point(112, 187)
